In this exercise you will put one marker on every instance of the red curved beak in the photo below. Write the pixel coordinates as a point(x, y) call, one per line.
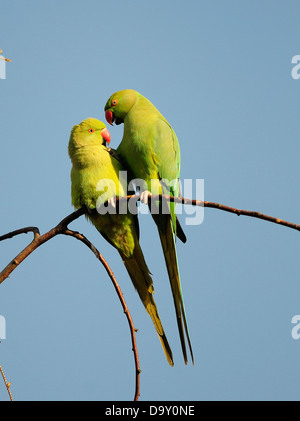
point(106, 135)
point(109, 117)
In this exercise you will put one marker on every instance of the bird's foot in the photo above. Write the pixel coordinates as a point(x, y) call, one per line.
point(145, 197)
point(112, 201)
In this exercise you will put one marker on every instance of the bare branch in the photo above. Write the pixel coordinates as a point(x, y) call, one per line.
point(37, 241)
point(99, 256)
point(253, 214)
point(193, 202)
point(25, 230)
point(62, 228)
point(5, 59)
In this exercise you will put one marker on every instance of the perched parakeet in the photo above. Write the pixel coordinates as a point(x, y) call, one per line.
point(97, 176)
point(151, 150)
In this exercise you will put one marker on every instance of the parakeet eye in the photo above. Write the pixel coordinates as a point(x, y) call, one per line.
point(114, 102)
point(91, 130)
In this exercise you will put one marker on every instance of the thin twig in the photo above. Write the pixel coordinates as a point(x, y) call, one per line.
point(25, 230)
point(5, 59)
point(110, 273)
point(6, 384)
point(62, 228)
point(37, 241)
point(206, 204)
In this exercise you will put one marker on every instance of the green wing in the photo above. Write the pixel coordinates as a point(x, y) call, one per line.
point(167, 151)
point(167, 155)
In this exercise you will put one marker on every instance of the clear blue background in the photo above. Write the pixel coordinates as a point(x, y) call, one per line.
point(220, 72)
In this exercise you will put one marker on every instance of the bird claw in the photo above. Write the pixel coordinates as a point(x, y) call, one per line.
point(112, 201)
point(145, 197)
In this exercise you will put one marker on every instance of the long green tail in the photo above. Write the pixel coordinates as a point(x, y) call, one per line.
point(167, 239)
point(142, 281)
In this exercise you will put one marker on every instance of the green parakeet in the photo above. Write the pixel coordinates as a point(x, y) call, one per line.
point(97, 176)
point(151, 150)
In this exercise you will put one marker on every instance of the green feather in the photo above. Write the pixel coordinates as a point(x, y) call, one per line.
point(151, 150)
point(95, 178)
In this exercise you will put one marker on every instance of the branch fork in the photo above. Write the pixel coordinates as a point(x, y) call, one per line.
point(62, 228)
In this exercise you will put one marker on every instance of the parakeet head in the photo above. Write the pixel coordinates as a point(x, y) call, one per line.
point(89, 132)
point(119, 104)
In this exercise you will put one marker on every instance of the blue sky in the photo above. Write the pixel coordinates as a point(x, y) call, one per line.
point(220, 72)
